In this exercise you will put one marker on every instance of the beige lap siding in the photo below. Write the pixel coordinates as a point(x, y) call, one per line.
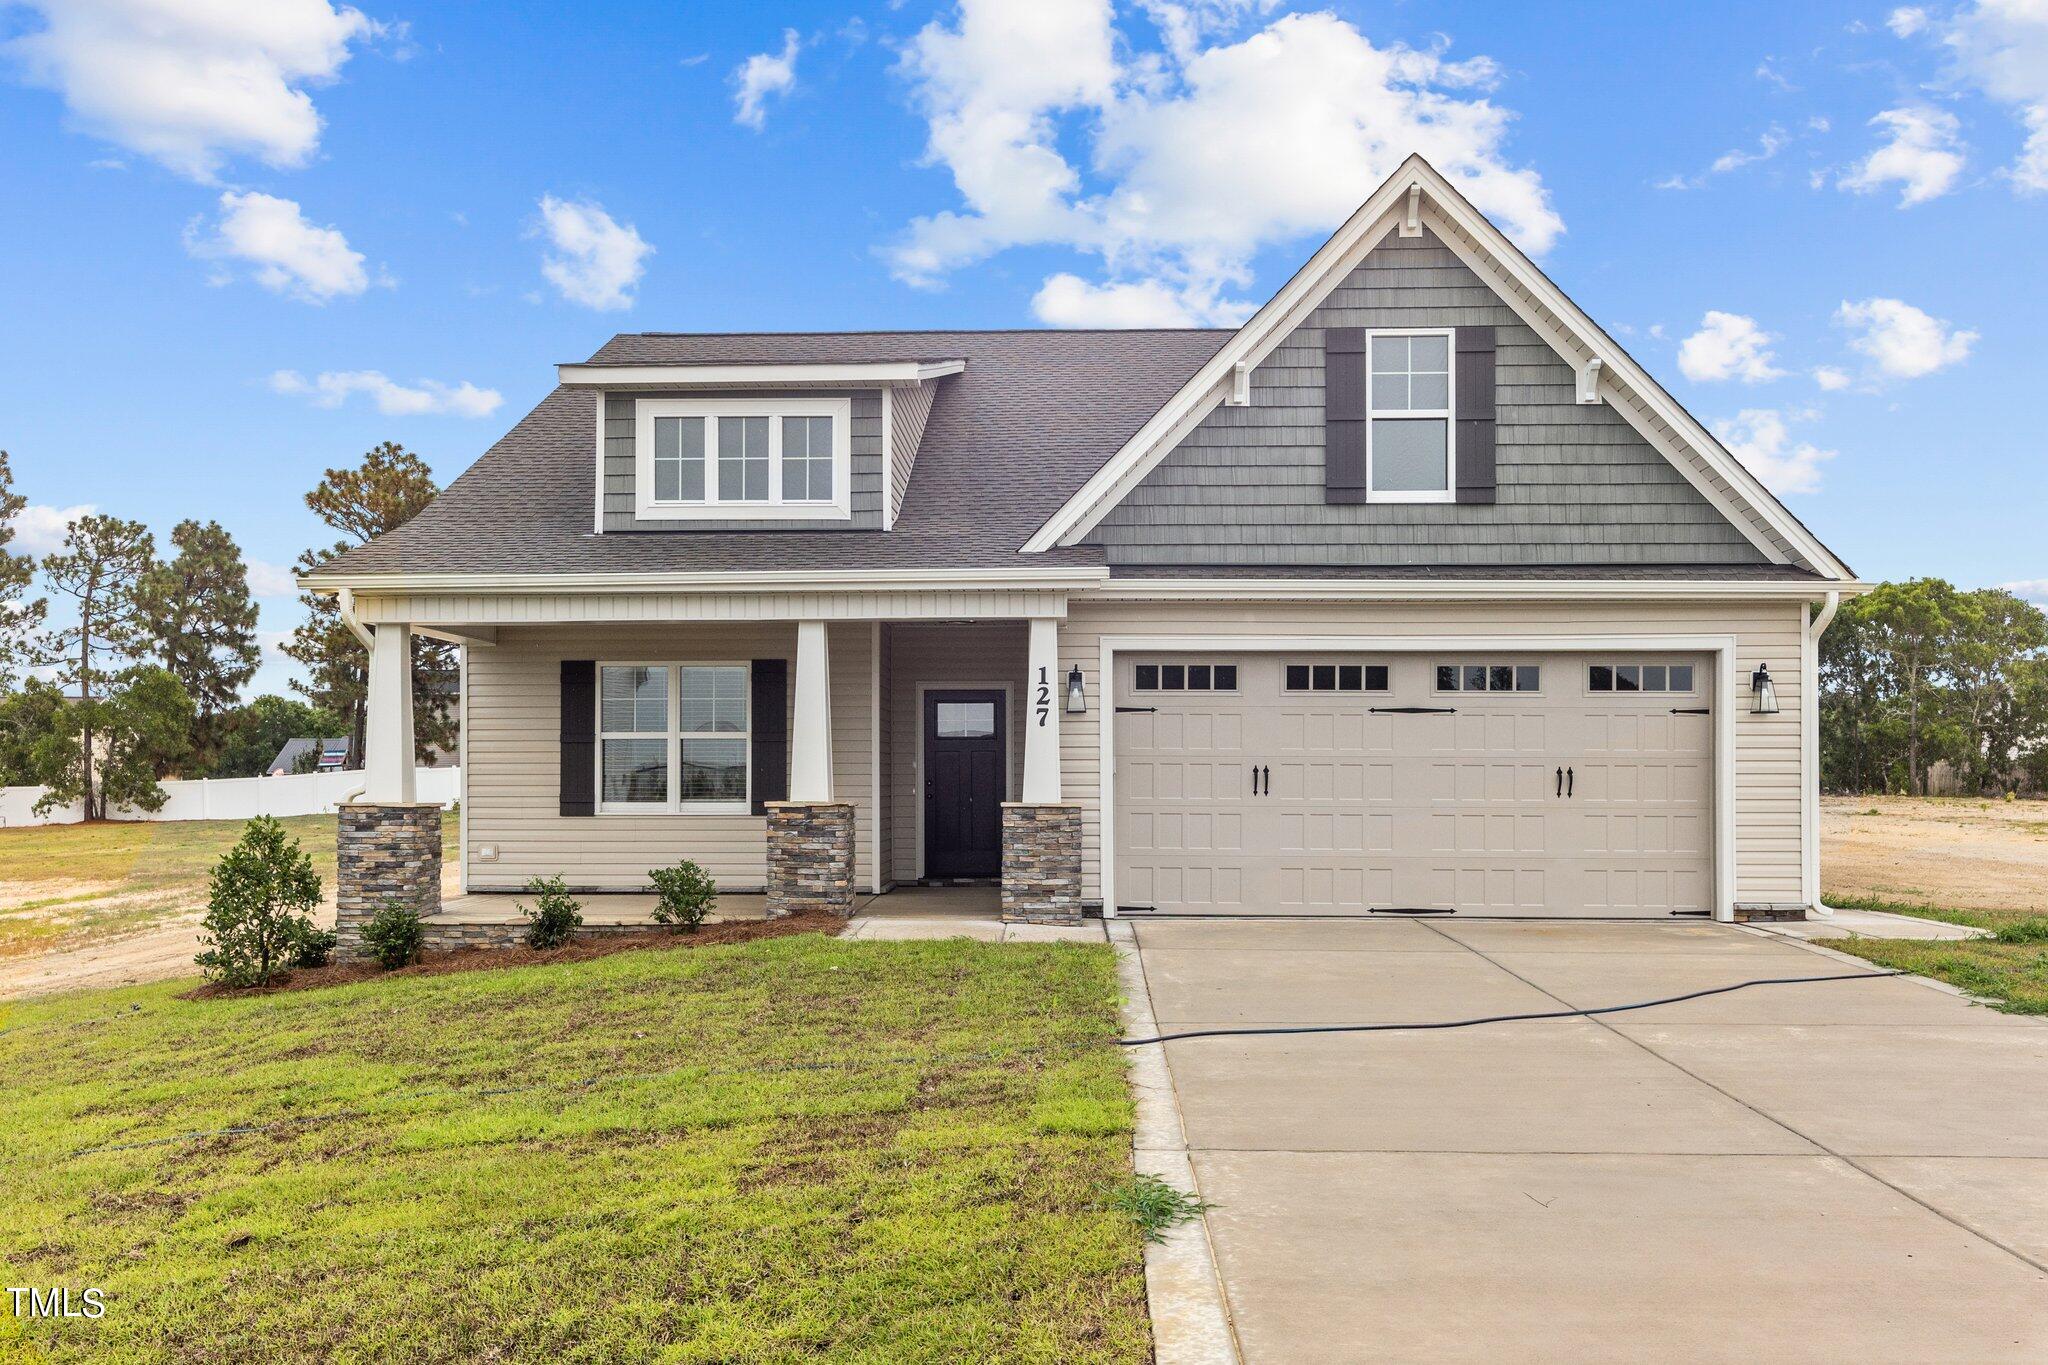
point(514, 772)
point(1767, 751)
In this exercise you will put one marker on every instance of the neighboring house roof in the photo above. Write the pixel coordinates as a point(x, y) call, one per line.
point(1010, 438)
point(1416, 197)
point(333, 754)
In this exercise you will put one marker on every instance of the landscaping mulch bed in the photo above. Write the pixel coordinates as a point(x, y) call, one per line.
point(582, 949)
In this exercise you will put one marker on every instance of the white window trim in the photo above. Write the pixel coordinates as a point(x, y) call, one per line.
point(1450, 489)
point(647, 508)
point(672, 671)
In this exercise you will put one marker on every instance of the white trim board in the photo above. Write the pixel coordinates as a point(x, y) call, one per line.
point(690, 376)
point(1751, 509)
point(1721, 647)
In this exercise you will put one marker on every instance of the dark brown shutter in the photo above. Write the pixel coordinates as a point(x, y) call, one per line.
point(1475, 414)
point(769, 711)
point(579, 737)
point(1344, 414)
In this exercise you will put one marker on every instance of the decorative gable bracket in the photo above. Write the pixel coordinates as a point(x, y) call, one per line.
point(1589, 382)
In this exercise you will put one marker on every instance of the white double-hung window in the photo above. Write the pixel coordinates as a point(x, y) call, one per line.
point(742, 458)
point(1410, 444)
point(673, 737)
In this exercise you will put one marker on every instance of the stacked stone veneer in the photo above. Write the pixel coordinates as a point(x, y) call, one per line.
point(1747, 912)
point(384, 854)
point(1041, 863)
point(810, 858)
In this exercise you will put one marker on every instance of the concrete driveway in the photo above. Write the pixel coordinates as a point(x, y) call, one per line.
point(1854, 1170)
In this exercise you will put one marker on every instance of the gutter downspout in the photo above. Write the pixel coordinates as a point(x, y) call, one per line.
point(1810, 744)
point(345, 603)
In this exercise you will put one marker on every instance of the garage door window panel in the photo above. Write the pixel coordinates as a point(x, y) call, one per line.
point(1489, 678)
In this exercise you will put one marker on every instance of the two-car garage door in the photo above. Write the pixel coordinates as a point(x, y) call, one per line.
point(1480, 784)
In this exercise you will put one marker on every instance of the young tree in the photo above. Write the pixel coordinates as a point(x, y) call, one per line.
point(140, 728)
point(259, 907)
point(101, 568)
point(387, 490)
point(204, 625)
point(21, 617)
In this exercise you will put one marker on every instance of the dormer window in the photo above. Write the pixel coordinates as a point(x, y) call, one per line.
point(747, 459)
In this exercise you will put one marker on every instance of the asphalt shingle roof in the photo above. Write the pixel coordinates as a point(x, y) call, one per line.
point(1009, 439)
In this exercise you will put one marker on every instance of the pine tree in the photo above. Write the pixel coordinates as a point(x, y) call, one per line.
point(204, 624)
point(387, 490)
point(101, 567)
point(21, 618)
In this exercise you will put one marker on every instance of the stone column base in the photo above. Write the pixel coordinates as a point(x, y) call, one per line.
point(810, 858)
point(384, 854)
point(1748, 913)
point(1041, 863)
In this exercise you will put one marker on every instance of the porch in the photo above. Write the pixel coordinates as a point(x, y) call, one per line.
point(839, 760)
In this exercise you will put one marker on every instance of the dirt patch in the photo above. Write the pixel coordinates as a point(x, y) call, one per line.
point(580, 950)
point(1936, 851)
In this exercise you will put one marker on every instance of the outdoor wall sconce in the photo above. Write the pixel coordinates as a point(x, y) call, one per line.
point(1764, 693)
point(1077, 696)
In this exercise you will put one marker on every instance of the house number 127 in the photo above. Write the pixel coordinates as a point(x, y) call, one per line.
point(1044, 702)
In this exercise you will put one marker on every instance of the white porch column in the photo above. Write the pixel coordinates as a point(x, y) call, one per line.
point(810, 735)
point(387, 729)
point(1044, 697)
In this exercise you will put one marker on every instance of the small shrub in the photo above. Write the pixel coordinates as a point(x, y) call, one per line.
point(1155, 1206)
point(260, 899)
point(314, 947)
point(686, 892)
point(393, 935)
point(554, 915)
point(2033, 929)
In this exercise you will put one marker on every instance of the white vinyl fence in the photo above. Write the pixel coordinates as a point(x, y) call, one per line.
point(233, 798)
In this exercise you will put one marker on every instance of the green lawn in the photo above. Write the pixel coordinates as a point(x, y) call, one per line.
point(799, 1148)
point(65, 885)
point(2010, 969)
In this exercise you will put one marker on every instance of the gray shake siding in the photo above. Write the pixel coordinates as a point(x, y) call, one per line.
point(1577, 485)
point(869, 475)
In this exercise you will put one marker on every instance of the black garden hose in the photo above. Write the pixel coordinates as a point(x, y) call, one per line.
point(1503, 1018)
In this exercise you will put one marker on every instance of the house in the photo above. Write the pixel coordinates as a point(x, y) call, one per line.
point(316, 756)
point(1414, 594)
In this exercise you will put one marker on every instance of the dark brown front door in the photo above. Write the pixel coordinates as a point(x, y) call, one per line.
point(963, 784)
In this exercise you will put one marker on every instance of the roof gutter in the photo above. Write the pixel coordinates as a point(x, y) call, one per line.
point(696, 376)
point(1809, 739)
point(1071, 578)
point(345, 603)
point(1460, 590)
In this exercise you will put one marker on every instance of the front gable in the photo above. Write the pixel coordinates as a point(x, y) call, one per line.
point(1596, 424)
point(1576, 483)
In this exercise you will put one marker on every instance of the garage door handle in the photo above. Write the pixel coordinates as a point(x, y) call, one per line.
point(1567, 784)
point(1413, 710)
point(1268, 772)
point(1560, 780)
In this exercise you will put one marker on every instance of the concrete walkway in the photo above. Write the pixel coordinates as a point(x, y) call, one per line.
point(1870, 924)
point(1848, 1170)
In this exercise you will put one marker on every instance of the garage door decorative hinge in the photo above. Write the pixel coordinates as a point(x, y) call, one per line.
point(1414, 710)
point(1147, 710)
point(1691, 711)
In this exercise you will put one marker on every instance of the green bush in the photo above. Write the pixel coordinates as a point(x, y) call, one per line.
point(554, 915)
point(260, 901)
point(686, 891)
point(314, 947)
point(393, 935)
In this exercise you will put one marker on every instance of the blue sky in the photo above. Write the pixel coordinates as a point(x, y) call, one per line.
point(241, 247)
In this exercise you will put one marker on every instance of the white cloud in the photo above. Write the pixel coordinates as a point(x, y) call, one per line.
point(2033, 589)
point(39, 530)
point(192, 82)
point(1923, 156)
point(1760, 438)
point(290, 256)
point(762, 75)
point(1906, 20)
point(1769, 143)
point(2001, 48)
point(1728, 346)
point(1903, 341)
point(1069, 301)
point(1200, 155)
point(271, 580)
point(595, 260)
point(1831, 378)
point(332, 388)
